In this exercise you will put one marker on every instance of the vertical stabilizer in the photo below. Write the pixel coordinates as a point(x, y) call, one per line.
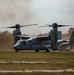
point(59, 35)
point(72, 40)
point(54, 38)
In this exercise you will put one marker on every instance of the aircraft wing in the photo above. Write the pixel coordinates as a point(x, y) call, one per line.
point(61, 41)
point(38, 38)
point(23, 37)
point(42, 38)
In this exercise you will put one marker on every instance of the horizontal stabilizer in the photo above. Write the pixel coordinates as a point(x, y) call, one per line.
point(23, 37)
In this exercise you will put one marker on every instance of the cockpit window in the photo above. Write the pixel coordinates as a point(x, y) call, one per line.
point(18, 42)
point(23, 43)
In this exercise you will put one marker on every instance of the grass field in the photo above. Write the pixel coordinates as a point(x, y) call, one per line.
point(37, 73)
point(55, 61)
point(40, 56)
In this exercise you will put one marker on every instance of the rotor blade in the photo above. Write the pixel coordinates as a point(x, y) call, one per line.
point(58, 25)
point(43, 26)
point(49, 25)
point(64, 25)
point(20, 26)
point(28, 25)
point(9, 27)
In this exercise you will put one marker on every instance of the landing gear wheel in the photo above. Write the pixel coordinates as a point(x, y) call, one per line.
point(16, 50)
point(47, 50)
point(36, 50)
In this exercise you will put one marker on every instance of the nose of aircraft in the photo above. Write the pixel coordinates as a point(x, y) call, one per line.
point(15, 47)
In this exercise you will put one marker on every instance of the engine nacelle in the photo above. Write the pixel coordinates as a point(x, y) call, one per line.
point(54, 37)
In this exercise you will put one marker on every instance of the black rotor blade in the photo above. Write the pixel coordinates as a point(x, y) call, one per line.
point(28, 25)
point(58, 25)
point(18, 25)
point(9, 27)
point(49, 25)
point(43, 26)
point(64, 25)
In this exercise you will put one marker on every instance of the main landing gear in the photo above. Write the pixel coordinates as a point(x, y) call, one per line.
point(46, 50)
point(36, 50)
point(17, 50)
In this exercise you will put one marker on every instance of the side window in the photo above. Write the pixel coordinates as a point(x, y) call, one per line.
point(23, 43)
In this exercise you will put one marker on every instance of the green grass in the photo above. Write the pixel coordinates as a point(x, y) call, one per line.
point(53, 57)
point(65, 73)
point(33, 56)
point(51, 66)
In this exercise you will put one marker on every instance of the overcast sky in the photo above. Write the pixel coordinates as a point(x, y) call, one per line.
point(36, 11)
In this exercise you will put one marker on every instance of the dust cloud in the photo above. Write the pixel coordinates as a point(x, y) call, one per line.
point(36, 11)
point(16, 12)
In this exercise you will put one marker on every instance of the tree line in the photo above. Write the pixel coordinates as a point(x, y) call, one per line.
point(6, 40)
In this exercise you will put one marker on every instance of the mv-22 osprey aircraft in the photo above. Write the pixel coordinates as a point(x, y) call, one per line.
point(50, 42)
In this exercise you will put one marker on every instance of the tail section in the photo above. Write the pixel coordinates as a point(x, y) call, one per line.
point(59, 35)
point(72, 40)
point(54, 37)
